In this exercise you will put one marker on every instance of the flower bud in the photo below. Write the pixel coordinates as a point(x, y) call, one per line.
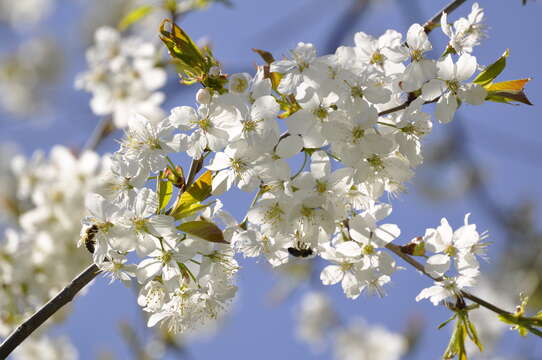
point(176, 178)
point(203, 96)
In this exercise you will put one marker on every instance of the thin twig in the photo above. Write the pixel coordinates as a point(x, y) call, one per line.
point(409, 259)
point(404, 106)
point(428, 27)
point(100, 132)
point(394, 109)
point(435, 20)
point(46, 311)
point(397, 251)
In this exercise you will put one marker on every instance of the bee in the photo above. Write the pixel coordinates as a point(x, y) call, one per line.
point(88, 238)
point(300, 250)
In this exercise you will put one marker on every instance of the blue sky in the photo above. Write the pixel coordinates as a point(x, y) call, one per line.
point(504, 139)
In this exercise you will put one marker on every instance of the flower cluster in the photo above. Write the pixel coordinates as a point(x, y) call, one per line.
point(465, 33)
point(185, 280)
point(460, 247)
point(356, 119)
point(45, 205)
point(123, 77)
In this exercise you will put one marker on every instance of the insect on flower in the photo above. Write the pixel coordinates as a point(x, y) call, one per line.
point(88, 238)
point(301, 250)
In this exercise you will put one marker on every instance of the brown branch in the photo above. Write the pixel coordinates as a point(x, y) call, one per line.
point(394, 109)
point(46, 311)
point(397, 251)
point(428, 27)
point(409, 259)
point(435, 20)
point(404, 106)
point(100, 132)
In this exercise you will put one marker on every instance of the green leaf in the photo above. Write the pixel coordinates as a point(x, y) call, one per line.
point(191, 210)
point(134, 16)
point(183, 50)
point(492, 71)
point(456, 346)
point(522, 324)
point(289, 104)
point(463, 328)
point(193, 64)
point(165, 191)
point(186, 272)
point(204, 3)
point(204, 230)
point(200, 190)
point(473, 334)
point(447, 321)
point(189, 203)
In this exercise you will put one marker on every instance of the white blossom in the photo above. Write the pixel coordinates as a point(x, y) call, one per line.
point(465, 33)
point(123, 77)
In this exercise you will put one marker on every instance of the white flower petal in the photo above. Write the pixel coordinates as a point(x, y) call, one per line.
point(331, 275)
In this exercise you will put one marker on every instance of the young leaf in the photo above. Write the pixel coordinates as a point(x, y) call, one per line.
point(492, 71)
point(134, 16)
point(204, 230)
point(473, 334)
point(456, 346)
point(447, 321)
point(183, 49)
point(289, 105)
point(463, 328)
point(204, 3)
point(508, 91)
point(523, 324)
point(510, 86)
point(186, 272)
point(200, 190)
point(189, 202)
point(265, 55)
point(165, 191)
point(189, 210)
